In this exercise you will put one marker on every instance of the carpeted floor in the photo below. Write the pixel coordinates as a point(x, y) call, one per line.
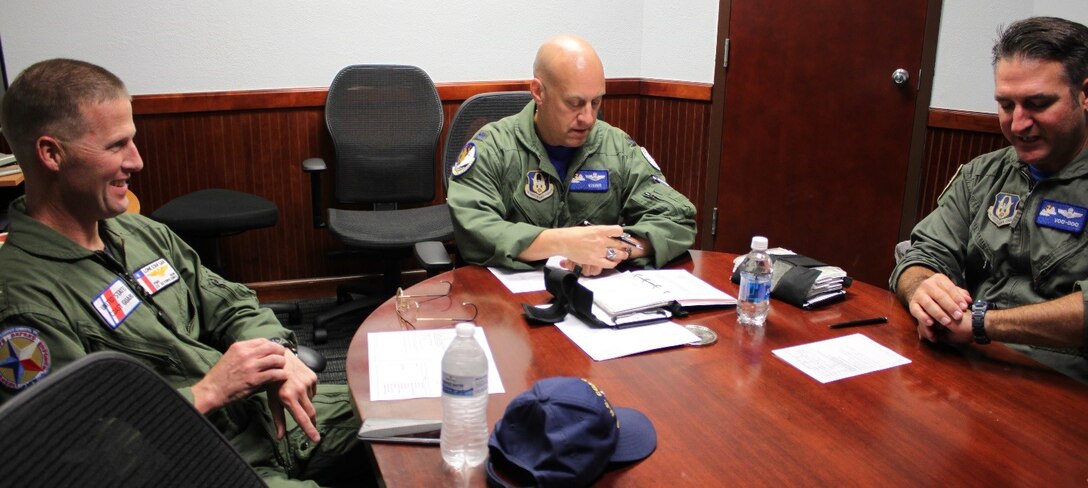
point(340, 334)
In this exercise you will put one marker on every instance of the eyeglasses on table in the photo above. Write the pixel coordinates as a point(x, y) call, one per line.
point(408, 307)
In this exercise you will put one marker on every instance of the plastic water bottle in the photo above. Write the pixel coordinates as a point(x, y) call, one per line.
point(755, 284)
point(464, 400)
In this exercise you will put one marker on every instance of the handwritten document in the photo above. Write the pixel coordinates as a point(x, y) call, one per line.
point(841, 357)
point(408, 364)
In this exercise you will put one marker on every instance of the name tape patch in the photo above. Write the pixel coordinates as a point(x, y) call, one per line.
point(1061, 216)
point(115, 304)
point(590, 180)
point(156, 276)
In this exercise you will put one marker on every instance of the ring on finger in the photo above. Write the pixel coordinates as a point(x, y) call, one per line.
point(610, 254)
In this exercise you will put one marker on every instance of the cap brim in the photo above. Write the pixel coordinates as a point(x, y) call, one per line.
point(638, 438)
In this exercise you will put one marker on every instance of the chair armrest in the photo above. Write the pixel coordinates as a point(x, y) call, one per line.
point(311, 165)
point(434, 258)
point(315, 166)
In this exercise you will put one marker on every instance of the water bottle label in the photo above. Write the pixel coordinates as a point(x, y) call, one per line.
point(756, 292)
point(463, 386)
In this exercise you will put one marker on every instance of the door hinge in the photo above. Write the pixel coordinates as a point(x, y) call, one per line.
point(714, 222)
point(725, 53)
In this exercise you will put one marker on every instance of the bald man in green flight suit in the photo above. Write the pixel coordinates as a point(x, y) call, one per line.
point(554, 181)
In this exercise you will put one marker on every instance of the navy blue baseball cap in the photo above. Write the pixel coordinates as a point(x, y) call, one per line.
point(564, 432)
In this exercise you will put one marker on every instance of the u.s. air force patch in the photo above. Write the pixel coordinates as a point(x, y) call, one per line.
point(650, 159)
point(24, 357)
point(538, 186)
point(465, 160)
point(1003, 211)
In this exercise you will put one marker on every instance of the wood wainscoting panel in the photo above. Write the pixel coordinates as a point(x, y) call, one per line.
point(954, 138)
point(255, 142)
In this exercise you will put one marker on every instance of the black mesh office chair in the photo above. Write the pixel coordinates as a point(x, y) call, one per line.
point(384, 121)
point(474, 113)
point(109, 420)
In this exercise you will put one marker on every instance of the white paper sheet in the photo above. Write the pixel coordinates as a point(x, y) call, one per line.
point(408, 364)
point(520, 281)
point(841, 357)
point(533, 280)
point(608, 343)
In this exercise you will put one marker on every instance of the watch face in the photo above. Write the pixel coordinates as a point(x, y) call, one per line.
point(979, 306)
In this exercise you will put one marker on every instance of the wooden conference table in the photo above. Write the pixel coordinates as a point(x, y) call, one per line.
point(732, 414)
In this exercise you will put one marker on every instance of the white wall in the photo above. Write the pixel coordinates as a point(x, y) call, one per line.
point(964, 77)
point(206, 45)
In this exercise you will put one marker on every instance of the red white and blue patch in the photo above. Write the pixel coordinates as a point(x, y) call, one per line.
point(156, 276)
point(1061, 216)
point(24, 357)
point(115, 304)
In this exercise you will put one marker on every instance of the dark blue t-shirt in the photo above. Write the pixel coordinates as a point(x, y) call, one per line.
point(560, 157)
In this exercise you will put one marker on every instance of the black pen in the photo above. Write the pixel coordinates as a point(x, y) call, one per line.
point(855, 323)
point(625, 237)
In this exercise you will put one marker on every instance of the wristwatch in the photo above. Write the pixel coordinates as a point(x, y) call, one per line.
point(978, 321)
point(285, 343)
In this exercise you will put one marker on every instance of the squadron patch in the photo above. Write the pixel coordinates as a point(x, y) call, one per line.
point(1004, 209)
point(156, 276)
point(650, 159)
point(538, 186)
point(115, 303)
point(24, 357)
point(590, 180)
point(1061, 216)
point(465, 160)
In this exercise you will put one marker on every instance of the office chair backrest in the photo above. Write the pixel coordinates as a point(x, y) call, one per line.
point(384, 121)
point(473, 114)
point(108, 420)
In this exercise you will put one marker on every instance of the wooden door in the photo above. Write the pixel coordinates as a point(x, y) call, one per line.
point(815, 134)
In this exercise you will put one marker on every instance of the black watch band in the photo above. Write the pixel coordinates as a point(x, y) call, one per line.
point(978, 321)
point(285, 343)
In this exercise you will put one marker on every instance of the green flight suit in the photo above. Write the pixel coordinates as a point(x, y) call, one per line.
point(151, 299)
point(987, 237)
point(504, 191)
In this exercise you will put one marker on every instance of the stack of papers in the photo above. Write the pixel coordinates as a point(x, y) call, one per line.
point(821, 283)
point(8, 166)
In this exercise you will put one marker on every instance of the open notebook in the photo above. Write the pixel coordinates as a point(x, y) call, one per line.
point(631, 292)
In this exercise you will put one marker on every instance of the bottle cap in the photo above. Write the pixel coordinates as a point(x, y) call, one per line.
point(466, 329)
point(759, 243)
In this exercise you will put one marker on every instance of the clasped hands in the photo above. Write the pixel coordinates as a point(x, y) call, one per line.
point(594, 248)
point(259, 364)
point(942, 310)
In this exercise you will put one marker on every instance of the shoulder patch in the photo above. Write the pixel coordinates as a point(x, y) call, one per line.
point(650, 159)
point(24, 357)
point(465, 160)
